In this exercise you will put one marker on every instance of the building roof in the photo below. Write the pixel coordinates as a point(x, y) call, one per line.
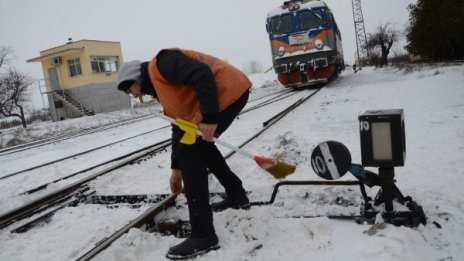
point(67, 51)
point(69, 47)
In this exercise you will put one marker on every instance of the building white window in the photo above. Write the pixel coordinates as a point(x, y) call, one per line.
point(74, 67)
point(104, 64)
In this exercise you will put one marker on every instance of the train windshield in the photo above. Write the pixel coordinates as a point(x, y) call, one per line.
point(281, 25)
point(310, 20)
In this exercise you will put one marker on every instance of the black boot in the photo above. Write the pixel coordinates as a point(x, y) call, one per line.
point(193, 246)
point(240, 202)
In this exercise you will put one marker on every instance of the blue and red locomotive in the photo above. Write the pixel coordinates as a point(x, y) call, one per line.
point(306, 43)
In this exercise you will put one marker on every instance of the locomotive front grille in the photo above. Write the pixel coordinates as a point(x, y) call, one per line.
point(322, 62)
point(283, 68)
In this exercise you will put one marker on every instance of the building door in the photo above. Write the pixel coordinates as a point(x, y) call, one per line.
point(57, 109)
point(53, 78)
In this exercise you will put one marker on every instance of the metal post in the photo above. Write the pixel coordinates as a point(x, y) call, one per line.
point(40, 91)
point(387, 176)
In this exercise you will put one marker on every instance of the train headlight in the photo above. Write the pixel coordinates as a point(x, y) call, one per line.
point(319, 44)
point(281, 51)
point(294, 7)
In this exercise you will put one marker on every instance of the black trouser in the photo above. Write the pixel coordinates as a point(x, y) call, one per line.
point(195, 160)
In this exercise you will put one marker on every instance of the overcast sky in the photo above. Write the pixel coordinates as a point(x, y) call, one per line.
point(229, 29)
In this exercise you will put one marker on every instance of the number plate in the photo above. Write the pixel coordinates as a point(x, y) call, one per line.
point(298, 39)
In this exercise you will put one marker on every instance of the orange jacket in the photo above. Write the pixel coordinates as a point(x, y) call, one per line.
point(181, 102)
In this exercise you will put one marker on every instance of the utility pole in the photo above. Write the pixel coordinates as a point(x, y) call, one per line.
point(360, 31)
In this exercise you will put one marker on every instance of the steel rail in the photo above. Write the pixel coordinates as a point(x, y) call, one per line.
point(72, 200)
point(44, 186)
point(36, 204)
point(145, 218)
point(275, 119)
point(65, 136)
point(267, 95)
point(279, 97)
point(280, 115)
point(77, 154)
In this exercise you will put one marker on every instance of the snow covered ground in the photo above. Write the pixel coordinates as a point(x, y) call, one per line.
point(432, 98)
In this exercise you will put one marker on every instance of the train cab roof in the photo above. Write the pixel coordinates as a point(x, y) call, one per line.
point(294, 5)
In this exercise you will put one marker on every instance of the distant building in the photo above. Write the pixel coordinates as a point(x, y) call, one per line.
point(80, 78)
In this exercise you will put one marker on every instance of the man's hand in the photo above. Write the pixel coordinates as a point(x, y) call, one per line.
point(207, 131)
point(175, 181)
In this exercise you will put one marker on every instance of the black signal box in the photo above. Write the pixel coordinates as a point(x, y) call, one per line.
point(383, 142)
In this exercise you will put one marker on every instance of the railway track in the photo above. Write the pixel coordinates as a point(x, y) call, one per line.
point(65, 136)
point(81, 132)
point(274, 97)
point(62, 195)
point(90, 169)
point(53, 174)
point(150, 215)
point(52, 161)
point(40, 209)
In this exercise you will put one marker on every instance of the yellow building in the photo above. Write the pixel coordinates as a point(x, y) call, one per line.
point(80, 78)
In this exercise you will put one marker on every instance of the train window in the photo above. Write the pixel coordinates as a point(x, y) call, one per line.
point(310, 20)
point(337, 31)
point(329, 18)
point(281, 24)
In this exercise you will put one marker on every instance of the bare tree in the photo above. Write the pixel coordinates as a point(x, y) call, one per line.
point(6, 56)
point(13, 87)
point(380, 42)
point(253, 66)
